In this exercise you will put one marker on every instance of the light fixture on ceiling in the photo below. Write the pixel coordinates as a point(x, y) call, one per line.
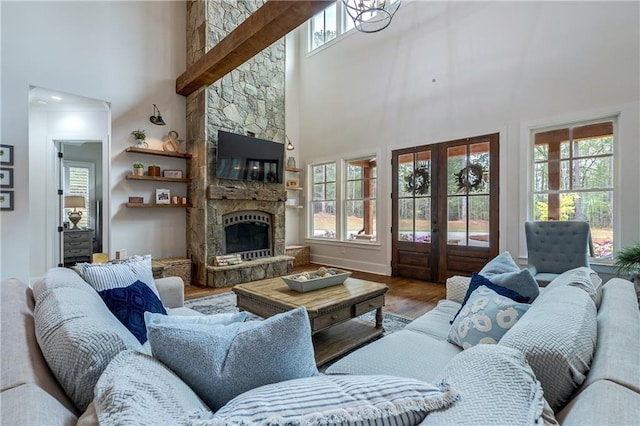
point(75, 202)
point(156, 118)
point(371, 16)
point(290, 146)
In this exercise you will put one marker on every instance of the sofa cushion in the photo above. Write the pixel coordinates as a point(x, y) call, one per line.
point(78, 337)
point(437, 321)
point(503, 271)
point(137, 389)
point(485, 318)
point(496, 387)
point(602, 403)
point(558, 338)
point(222, 361)
point(617, 355)
point(21, 357)
point(29, 405)
point(57, 278)
point(403, 353)
point(583, 278)
point(129, 304)
point(104, 276)
point(344, 400)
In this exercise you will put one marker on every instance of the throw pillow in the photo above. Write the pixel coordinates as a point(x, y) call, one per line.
point(503, 271)
point(220, 362)
point(137, 389)
point(485, 318)
point(558, 338)
point(104, 276)
point(129, 304)
point(499, 389)
point(583, 278)
point(324, 400)
point(478, 280)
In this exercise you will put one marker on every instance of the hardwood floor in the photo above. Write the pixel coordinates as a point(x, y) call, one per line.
point(406, 297)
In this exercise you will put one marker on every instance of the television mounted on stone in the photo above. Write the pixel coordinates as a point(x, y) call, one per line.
point(242, 157)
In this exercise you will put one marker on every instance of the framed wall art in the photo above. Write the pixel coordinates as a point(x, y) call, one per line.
point(6, 200)
point(163, 196)
point(6, 177)
point(6, 155)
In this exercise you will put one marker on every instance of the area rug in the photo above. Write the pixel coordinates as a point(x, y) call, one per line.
point(226, 302)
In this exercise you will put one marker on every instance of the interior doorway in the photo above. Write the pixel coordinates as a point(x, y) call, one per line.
point(445, 208)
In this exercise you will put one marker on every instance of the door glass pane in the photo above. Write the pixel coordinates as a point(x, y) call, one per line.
point(457, 220)
point(405, 175)
point(405, 219)
point(479, 221)
point(423, 220)
point(422, 174)
point(456, 164)
point(478, 168)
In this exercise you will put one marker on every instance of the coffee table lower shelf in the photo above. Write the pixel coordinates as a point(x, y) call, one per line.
point(339, 339)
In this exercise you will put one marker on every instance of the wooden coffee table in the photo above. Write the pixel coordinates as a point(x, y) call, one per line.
point(333, 311)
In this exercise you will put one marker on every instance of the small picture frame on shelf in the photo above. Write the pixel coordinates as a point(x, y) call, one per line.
point(6, 177)
point(292, 183)
point(163, 196)
point(175, 174)
point(6, 155)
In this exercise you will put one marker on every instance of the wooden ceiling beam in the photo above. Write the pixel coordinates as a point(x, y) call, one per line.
point(260, 30)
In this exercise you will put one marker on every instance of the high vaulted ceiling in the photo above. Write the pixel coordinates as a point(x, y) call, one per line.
point(271, 22)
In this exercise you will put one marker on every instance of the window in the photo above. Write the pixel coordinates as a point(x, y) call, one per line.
point(323, 27)
point(360, 199)
point(573, 178)
point(323, 201)
point(79, 180)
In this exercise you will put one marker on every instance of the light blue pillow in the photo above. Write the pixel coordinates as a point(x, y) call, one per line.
point(485, 318)
point(503, 271)
point(188, 321)
point(325, 400)
point(220, 362)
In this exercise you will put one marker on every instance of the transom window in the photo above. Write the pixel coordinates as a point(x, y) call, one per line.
point(573, 178)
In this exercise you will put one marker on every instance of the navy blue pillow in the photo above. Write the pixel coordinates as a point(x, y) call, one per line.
point(478, 280)
point(129, 304)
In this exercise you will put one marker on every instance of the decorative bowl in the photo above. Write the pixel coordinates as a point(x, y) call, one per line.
point(315, 283)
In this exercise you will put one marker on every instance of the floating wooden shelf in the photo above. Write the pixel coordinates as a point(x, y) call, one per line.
point(289, 206)
point(292, 169)
point(294, 188)
point(153, 205)
point(159, 152)
point(158, 178)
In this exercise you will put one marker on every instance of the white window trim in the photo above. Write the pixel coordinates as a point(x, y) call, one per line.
point(527, 129)
point(343, 201)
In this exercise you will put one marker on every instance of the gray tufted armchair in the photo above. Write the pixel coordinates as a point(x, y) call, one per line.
point(555, 247)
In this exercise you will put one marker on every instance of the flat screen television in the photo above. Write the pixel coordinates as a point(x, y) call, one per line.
point(243, 157)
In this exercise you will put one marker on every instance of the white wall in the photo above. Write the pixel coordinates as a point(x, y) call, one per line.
point(448, 70)
point(125, 53)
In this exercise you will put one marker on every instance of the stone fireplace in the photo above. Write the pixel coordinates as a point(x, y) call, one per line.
point(248, 99)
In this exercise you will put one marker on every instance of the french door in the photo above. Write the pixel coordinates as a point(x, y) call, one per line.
point(445, 208)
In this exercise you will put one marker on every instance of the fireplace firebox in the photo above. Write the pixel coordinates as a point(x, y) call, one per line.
point(248, 233)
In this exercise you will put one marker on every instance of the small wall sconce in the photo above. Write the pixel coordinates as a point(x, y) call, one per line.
point(156, 118)
point(290, 146)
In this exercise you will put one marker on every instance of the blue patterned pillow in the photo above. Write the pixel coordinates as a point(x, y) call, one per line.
point(129, 304)
point(485, 318)
point(477, 280)
point(220, 362)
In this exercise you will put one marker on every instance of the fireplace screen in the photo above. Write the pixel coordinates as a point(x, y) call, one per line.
point(248, 234)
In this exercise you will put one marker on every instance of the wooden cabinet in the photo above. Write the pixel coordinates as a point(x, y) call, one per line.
point(294, 188)
point(78, 246)
point(156, 152)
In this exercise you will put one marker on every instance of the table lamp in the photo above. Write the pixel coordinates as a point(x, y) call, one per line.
point(75, 202)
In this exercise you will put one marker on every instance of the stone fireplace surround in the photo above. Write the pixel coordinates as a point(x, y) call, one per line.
point(224, 200)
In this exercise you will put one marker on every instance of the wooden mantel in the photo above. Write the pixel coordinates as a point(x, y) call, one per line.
point(266, 25)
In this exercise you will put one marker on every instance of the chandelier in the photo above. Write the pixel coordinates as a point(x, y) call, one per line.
point(371, 16)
